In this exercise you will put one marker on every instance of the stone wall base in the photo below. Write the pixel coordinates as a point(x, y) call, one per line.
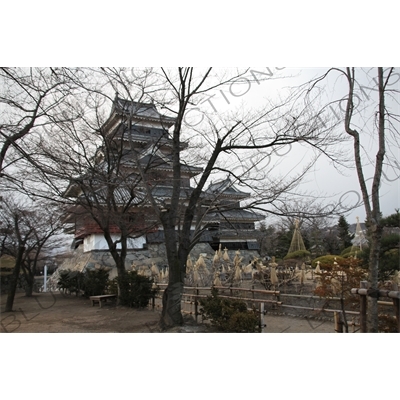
point(154, 254)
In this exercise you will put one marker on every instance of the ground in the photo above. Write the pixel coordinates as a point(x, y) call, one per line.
point(56, 312)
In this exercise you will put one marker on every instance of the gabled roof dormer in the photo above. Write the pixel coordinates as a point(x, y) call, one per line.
point(225, 188)
point(143, 114)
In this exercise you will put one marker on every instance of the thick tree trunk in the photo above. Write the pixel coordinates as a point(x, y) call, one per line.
point(172, 312)
point(123, 288)
point(119, 257)
point(372, 316)
point(371, 202)
point(12, 290)
point(374, 217)
point(30, 281)
point(29, 290)
point(14, 280)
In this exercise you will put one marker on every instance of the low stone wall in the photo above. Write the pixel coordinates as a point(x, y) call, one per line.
point(154, 254)
point(312, 308)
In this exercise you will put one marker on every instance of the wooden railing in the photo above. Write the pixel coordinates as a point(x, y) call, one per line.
point(363, 291)
point(192, 295)
point(256, 298)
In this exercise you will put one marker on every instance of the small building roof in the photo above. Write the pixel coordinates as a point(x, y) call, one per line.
point(144, 111)
point(234, 215)
point(158, 160)
point(226, 188)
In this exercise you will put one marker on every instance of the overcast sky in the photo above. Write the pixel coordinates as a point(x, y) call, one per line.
point(325, 180)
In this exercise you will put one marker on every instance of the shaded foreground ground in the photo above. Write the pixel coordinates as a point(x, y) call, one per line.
point(58, 313)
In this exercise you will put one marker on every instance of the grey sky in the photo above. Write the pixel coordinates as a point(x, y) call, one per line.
point(325, 180)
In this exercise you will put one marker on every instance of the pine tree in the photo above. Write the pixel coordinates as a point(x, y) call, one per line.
point(344, 235)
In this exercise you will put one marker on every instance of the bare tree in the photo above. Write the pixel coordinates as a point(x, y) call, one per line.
point(75, 158)
point(87, 166)
point(26, 229)
point(30, 99)
point(224, 142)
point(379, 125)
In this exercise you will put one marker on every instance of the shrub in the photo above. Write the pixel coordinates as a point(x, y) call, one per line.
point(327, 261)
point(301, 254)
point(95, 282)
point(92, 283)
point(351, 254)
point(229, 315)
point(71, 281)
point(137, 290)
point(387, 324)
point(346, 251)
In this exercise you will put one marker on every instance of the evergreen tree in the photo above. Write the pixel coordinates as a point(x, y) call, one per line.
point(344, 235)
point(393, 220)
point(284, 238)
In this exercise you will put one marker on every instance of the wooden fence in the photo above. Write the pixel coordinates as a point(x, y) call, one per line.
point(364, 292)
point(192, 295)
point(256, 298)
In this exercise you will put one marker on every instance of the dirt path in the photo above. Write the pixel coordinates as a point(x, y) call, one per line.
point(283, 324)
point(55, 312)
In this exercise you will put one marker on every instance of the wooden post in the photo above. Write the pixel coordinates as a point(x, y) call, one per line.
point(277, 298)
point(353, 323)
point(338, 323)
point(262, 325)
point(363, 308)
point(396, 305)
point(196, 304)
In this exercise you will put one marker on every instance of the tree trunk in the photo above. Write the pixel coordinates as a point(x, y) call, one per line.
point(172, 312)
point(371, 202)
point(374, 217)
point(372, 316)
point(345, 323)
point(29, 289)
point(30, 281)
point(119, 257)
point(14, 280)
point(123, 289)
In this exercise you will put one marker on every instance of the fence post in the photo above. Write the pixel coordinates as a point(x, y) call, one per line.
point(262, 325)
point(277, 297)
point(156, 288)
point(396, 305)
point(363, 308)
point(338, 322)
point(196, 304)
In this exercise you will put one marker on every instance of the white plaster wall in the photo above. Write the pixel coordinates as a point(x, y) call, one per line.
point(97, 242)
